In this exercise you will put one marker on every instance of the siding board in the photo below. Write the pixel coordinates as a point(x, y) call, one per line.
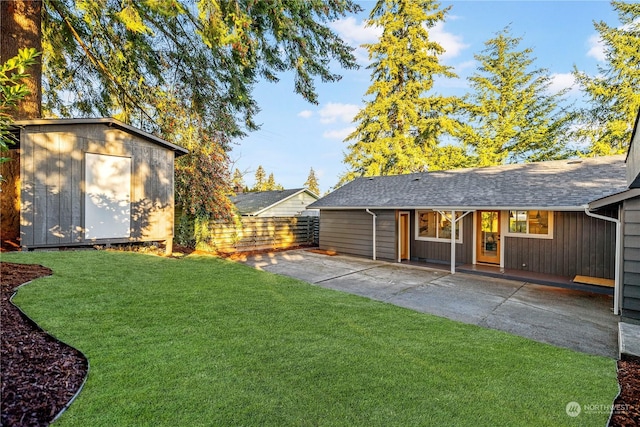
point(631, 265)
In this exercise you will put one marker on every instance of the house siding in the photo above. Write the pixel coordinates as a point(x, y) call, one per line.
point(295, 206)
point(52, 182)
point(581, 245)
point(351, 232)
point(631, 260)
point(441, 251)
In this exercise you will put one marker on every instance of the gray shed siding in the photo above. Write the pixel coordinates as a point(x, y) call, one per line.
point(351, 232)
point(631, 260)
point(441, 251)
point(52, 183)
point(581, 245)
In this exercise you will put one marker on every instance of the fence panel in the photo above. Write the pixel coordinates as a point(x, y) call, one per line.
point(263, 233)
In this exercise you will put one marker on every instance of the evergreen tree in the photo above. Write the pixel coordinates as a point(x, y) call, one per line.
point(511, 115)
point(614, 94)
point(312, 183)
point(237, 181)
point(401, 121)
point(271, 183)
point(260, 180)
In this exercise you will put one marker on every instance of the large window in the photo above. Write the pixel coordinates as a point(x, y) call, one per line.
point(534, 223)
point(432, 226)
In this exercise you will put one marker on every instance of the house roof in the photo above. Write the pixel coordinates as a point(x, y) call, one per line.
point(107, 121)
point(558, 185)
point(256, 202)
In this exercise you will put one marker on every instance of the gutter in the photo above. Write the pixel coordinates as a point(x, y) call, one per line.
point(374, 232)
point(617, 290)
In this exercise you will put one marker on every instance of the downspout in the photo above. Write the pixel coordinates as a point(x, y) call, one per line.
point(617, 288)
point(374, 232)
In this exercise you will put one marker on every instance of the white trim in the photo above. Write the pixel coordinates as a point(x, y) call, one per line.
point(303, 190)
point(527, 235)
point(374, 232)
point(459, 238)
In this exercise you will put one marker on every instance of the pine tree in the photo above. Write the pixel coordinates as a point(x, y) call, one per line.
point(401, 122)
point(312, 183)
point(260, 180)
point(271, 183)
point(237, 180)
point(511, 115)
point(606, 125)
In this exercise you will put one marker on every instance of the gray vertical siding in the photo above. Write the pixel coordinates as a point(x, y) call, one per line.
point(581, 245)
point(52, 178)
point(631, 260)
point(441, 251)
point(351, 232)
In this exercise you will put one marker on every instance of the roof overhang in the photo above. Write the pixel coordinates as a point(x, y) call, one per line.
point(614, 199)
point(456, 208)
point(107, 121)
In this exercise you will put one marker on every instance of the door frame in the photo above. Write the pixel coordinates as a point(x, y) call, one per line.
point(498, 259)
point(404, 235)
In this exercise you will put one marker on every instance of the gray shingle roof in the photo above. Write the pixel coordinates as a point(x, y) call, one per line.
point(254, 202)
point(562, 185)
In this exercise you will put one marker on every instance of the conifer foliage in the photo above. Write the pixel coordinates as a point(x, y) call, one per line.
point(511, 116)
point(401, 122)
point(614, 94)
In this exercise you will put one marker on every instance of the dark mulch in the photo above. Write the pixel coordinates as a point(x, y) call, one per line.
point(39, 374)
point(626, 408)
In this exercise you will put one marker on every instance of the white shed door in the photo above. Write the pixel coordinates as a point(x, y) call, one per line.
point(107, 202)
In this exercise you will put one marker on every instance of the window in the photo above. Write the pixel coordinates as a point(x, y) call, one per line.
point(432, 226)
point(531, 223)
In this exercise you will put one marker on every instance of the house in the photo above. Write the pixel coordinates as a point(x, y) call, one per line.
point(281, 203)
point(627, 204)
point(528, 218)
point(90, 181)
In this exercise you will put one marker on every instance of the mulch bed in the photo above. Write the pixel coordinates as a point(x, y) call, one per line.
point(40, 374)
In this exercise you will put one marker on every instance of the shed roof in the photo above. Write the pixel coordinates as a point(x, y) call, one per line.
point(255, 202)
point(557, 185)
point(107, 121)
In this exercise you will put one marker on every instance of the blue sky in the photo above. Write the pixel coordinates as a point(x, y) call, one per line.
point(296, 136)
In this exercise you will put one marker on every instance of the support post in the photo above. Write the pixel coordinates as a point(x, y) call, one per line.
point(374, 232)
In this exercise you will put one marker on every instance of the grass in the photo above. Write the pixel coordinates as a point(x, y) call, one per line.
point(204, 341)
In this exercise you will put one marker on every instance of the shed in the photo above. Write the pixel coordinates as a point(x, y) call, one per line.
point(276, 203)
point(91, 181)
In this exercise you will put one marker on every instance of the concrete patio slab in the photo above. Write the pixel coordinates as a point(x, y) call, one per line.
point(629, 339)
point(573, 319)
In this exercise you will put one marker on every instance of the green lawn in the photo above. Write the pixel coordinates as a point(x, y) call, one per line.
point(203, 341)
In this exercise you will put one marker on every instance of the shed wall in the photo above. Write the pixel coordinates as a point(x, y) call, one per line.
point(52, 177)
point(631, 260)
point(581, 245)
point(351, 232)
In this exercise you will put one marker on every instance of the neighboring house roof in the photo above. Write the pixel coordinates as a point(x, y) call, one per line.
point(107, 121)
point(557, 185)
point(254, 203)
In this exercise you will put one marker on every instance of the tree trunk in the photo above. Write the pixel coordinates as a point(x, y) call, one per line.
point(20, 27)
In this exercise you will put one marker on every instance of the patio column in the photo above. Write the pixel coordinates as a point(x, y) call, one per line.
point(453, 220)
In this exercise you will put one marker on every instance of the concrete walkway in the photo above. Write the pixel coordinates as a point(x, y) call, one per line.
point(567, 318)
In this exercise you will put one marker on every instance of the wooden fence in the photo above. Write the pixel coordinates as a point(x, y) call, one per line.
point(250, 234)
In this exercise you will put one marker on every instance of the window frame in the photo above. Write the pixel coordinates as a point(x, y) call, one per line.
point(459, 234)
point(527, 234)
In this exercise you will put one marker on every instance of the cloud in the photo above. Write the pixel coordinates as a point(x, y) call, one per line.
point(356, 33)
point(305, 114)
point(596, 48)
point(561, 81)
point(340, 134)
point(335, 111)
point(451, 43)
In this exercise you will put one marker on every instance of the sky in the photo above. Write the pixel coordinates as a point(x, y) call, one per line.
point(296, 136)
